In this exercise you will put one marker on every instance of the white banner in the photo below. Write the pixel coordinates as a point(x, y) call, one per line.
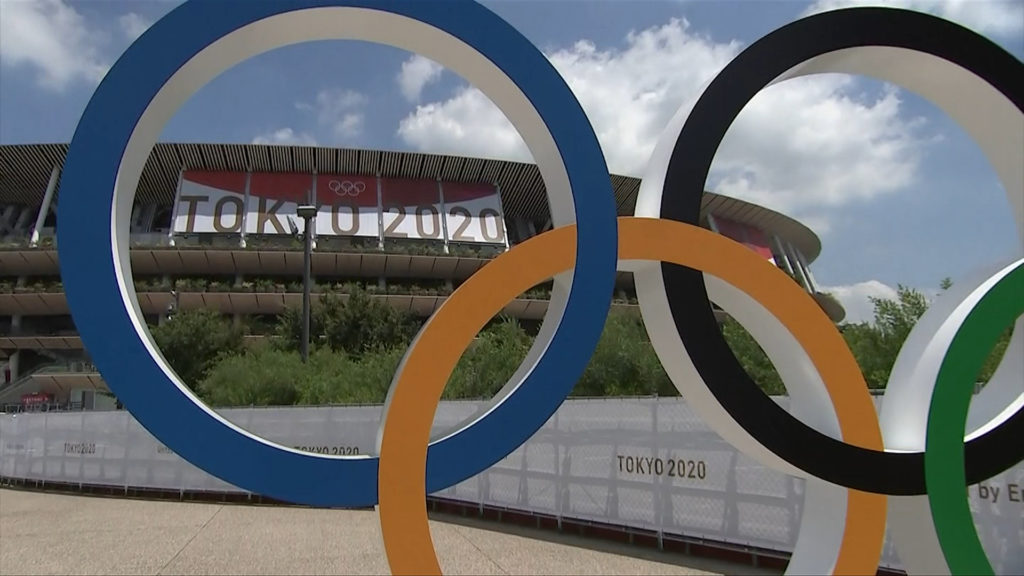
point(643, 463)
point(210, 209)
point(473, 213)
point(266, 203)
point(347, 206)
point(411, 209)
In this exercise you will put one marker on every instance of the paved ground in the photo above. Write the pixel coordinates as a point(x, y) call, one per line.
point(65, 534)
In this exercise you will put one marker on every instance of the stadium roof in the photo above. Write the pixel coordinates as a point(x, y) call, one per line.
point(25, 170)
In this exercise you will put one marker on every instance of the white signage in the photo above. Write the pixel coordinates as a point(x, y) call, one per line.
point(347, 206)
point(363, 206)
point(473, 213)
point(412, 209)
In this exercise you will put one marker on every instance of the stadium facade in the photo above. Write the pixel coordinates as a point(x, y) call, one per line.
point(214, 225)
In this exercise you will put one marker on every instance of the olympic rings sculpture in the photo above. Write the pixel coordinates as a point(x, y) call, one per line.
point(912, 458)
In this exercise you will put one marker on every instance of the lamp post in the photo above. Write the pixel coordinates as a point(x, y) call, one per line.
point(172, 308)
point(307, 213)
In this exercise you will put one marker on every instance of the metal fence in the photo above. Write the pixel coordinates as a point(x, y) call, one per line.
point(643, 463)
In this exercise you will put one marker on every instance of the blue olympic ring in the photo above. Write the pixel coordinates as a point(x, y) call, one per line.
point(89, 259)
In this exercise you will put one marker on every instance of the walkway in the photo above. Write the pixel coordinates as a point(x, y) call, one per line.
point(65, 534)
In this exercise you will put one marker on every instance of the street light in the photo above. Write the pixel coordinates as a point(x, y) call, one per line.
point(172, 308)
point(307, 213)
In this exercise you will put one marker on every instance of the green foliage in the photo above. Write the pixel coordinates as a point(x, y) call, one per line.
point(876, 345)
point(336, 378)
point(894, 319)
point(364, 324)
point(360, 325)
point(261, 377)
point(194, 341)
point(752, 357)
point(624, 363)
point(867, 346)
point(288, 332)
point(269, 376)
point(489, 362)
point(996, 356)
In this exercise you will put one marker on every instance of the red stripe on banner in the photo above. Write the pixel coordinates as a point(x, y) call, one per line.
point(290, 187)
point(467, 191)
point(339, 189)
point(225, 181)
point(406, 192)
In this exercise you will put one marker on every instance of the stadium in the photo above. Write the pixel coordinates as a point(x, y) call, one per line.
point(215, 226)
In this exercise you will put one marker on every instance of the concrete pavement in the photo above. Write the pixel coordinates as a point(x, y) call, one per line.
point(44, 533)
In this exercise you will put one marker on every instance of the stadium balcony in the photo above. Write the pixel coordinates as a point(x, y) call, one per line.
point(258, 276)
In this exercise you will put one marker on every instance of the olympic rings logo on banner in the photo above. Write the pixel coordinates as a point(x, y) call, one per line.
point(911, 458)
point(346, 187)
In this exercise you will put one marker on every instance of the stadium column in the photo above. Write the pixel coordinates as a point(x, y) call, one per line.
point(245, 211)
point(239, 276)
point(802, 261)
point(22, 222)
point(6, 215)
point(783, 257)
point(312, 201)
point(501, 218)
point(444, 212)
point(380, 215)
point(798, 271)
point(15, 359)
point(44, 210)
point(381, 281)
point(712, 224)
point(174, 208)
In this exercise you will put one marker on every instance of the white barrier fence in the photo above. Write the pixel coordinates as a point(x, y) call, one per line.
point(642, 463)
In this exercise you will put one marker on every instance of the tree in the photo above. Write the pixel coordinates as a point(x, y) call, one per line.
point(288, 332)
point(264, 376)
point(996, 356)
point(752, 357)
point(337, 378)
point(866, 344)
point(269, 376)
point(624, 362)
point(359, 325)
point(876, 345)
point(489, 362)
point(363, 324)
point(193, 341)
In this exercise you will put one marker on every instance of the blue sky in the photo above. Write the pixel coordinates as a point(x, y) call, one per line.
point(883, 177)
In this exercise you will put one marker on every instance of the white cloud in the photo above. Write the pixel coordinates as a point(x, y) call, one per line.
point(53, 38)
point(469, 123)
point(339, 110)
point(285, 136)
point(810, 144)
point(133, 25)
point(1003, 18)
point(802, 147)
point(417, 72)
point(856, 299)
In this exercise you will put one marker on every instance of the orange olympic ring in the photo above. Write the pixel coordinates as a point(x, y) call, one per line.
point(429, 364)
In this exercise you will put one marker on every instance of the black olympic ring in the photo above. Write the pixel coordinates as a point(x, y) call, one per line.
point(902, 473)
